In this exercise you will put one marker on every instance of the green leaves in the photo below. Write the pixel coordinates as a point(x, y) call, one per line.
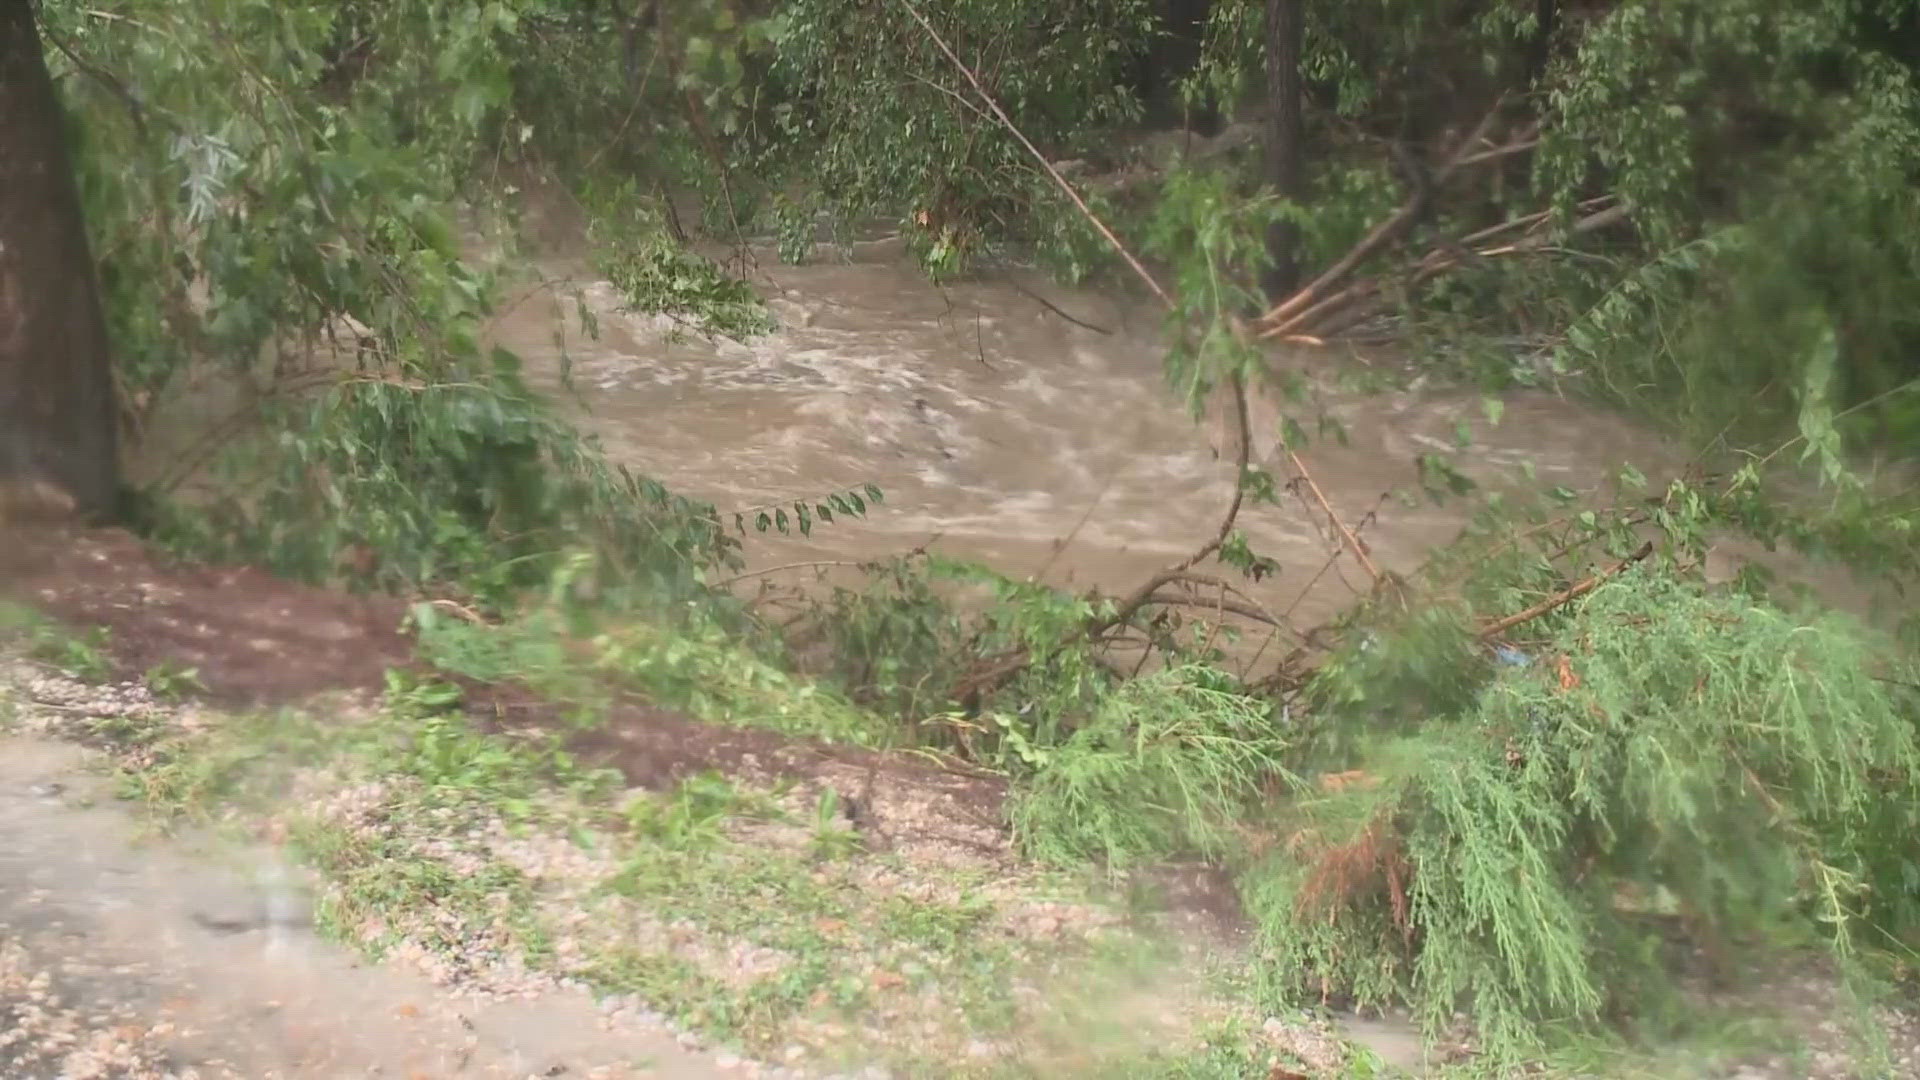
point(1816, 408)
point(886, 128)
point(1668, 743)
point(850, 504)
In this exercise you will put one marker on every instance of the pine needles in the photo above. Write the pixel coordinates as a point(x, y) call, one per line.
point(1675, 756)
point(1165, 768)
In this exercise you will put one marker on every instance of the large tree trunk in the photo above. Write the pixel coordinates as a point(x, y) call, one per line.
point(56, 386)
point(1285, 26)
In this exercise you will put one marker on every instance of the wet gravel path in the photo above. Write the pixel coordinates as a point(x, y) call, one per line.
point(132, 959)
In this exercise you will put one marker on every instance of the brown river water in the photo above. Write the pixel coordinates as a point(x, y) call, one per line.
point(1002, 431)
point(1040, 438)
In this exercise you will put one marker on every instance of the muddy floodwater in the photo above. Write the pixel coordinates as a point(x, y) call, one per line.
point(1002, 429)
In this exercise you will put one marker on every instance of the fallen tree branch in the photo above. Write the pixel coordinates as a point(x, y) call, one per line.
point(1347, 536)
point(1125, 610)
point(983, 679)
point(1574, 592)
point(1245, 610)
point(1382, 234)
point(812, 564)
point(1344, 308)
point(1056, 309)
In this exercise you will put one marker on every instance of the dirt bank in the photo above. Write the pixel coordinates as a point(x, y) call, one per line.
point(256, 640)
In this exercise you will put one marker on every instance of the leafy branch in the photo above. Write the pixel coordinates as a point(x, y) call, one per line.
point(851, 503)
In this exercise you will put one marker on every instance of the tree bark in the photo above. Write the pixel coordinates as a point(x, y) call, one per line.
point(1285, 26)
point(1545, 18)
point(57, 420)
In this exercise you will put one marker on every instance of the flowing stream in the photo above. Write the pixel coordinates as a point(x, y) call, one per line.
point(1002, 429)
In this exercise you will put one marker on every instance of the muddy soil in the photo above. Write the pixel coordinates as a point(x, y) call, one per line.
point(257, 640)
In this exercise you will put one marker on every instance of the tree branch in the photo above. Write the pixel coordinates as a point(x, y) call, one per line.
point(1383, 234)
point(1061, 181)
point(1581, 588)
point(1138, 598)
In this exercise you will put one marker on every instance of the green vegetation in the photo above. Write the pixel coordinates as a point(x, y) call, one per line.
point(83, 654)
point(1672, 753)
point(1523, 781)
point(732, 909)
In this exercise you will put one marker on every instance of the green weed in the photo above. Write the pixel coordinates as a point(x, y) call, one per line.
point(83, 654)
point(694, 815)
point(171, 682)
point(831, 836)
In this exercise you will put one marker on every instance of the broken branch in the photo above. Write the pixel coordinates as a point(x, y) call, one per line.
point(1350, 305)
point(1383, 234)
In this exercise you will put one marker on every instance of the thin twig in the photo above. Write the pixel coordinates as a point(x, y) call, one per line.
point(1064, 542)
point(1219, 604)
point(1133, 602)
point(1000, 114)
point(784, 567)
point(1055, 308)
point(1346, 535)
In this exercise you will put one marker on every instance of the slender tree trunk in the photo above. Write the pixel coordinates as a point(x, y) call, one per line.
point(1545, 18)
point(56, 386)
point(1172, 56)
point(1285, 25)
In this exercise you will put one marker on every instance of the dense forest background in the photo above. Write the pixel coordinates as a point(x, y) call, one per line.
point(1705, 213)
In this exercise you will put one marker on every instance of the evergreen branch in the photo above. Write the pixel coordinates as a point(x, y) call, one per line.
point(1574, 592)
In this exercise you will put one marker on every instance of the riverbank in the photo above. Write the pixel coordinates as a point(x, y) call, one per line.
point(785, 908)
point(762, 905)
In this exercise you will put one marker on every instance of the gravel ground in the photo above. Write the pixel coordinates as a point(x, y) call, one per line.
point(927, 866)
point(54, 1026)
point(129, 959)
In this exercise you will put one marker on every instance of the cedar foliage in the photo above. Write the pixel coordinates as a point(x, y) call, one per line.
point(1674, 754)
